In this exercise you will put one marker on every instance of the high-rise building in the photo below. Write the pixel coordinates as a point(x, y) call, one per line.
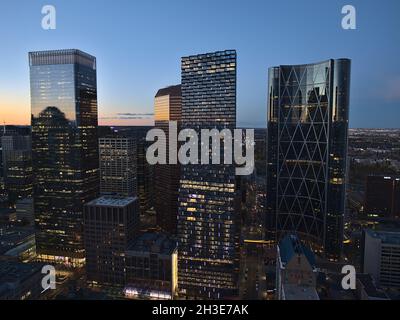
point(118, 169)
point(24, 211)
point(207, 215)
point(382, 197)
point(145, 171)
point(381, 257)
point(64, 150)
point(17, 166)
point(308, 108)
point(111, 223)
point(167, 108)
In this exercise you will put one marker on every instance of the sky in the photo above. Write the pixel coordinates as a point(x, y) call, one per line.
point(138, 46)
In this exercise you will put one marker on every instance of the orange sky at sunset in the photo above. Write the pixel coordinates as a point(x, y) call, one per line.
point(16, 111)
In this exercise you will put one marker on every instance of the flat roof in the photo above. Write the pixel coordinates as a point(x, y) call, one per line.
point(387, 237)
point(296, 292)
point(154, 242)
point(12, 273)
point(112, 201)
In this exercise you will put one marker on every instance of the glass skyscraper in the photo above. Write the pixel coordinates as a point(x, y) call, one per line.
point(207, 216)
point(308, 111)
point(17, 164)
point(167, 108)
point(64, 150)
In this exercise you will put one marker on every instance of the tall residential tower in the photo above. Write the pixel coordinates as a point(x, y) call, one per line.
point(207, 217)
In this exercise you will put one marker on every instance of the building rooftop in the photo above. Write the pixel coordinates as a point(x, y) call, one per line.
point(171, 90)
point(370, 288)
point(154, 242)
point(387, 237)
point(11, 236)
point(291, 246)
point(112, 201)
point(12, 273)
point(296, 292)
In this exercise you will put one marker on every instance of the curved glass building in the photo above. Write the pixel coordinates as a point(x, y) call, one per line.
point(308, 111)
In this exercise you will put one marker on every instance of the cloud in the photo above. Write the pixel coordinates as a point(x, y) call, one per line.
point(135, 114)
point(128, 116)
point(391, 92)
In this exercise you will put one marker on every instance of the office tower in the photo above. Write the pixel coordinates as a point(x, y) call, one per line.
point(382, 197)
point(17, 166)
point(25, 211)
point(110, 225)
point(308, 108)
point(381, 257)
point(260, 151)
point(118, 170)
point(3, 194)
point(167, 108)
point(207, 216)
point(145, 177)
point(64, 150)
point(152, 267)
point(296, 273)
point(145, 171)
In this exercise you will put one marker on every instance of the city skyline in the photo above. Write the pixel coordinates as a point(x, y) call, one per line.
point(147, 57)
point(200, 151)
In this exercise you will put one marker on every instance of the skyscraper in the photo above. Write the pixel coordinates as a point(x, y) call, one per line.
point(308, 108)
point(17, 166)
point(64, 150)
point(207, 216)
point(118, 169)
point(167, 108)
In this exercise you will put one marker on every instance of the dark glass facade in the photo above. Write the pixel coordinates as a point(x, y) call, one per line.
point(207, 216)
point(17, 166)
point(382, 197)
point(167, 108)
point(64, 150)
point(308, 108)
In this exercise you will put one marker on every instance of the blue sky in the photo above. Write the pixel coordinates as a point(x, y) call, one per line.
point(138, 45)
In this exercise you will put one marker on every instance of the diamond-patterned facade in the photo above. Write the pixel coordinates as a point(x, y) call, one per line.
point(307, 147)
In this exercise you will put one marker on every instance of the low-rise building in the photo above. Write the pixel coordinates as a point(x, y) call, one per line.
point(20, 281)
point(296, 270)
point(152, 267)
